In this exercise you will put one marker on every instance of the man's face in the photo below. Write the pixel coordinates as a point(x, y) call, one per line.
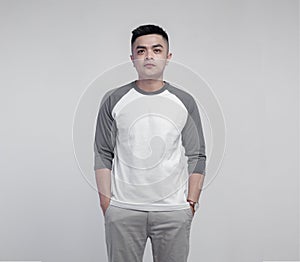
point(150, 55)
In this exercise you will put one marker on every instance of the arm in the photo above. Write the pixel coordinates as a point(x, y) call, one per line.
point(195, 186)
point(194, 144)
point(103, 181)
point(104, 152)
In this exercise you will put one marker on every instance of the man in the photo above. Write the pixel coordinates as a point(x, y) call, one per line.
point(149, 158)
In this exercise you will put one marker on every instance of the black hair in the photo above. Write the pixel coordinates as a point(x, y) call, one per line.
point(147, 30)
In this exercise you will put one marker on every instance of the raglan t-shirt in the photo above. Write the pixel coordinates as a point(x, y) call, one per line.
point(152, 142)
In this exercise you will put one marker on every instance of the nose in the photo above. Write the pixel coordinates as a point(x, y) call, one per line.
point(149, 55)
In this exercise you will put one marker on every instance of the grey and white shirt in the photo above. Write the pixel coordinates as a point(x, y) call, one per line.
point(151, 141)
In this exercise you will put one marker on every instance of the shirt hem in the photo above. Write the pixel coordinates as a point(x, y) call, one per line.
point(150, 207)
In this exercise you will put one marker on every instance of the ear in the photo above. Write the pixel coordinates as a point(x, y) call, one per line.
point(132, 60)
point(169, 56)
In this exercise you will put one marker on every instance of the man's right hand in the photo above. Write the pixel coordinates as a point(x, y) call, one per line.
point(103, 185)
point(104, 206)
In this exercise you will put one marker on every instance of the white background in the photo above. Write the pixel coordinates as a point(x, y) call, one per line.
point(248, 52)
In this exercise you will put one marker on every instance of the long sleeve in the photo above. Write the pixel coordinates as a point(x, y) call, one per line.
point(193, 140)
point(105, 136)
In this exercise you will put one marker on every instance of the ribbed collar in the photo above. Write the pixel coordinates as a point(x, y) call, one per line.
point(162, 89)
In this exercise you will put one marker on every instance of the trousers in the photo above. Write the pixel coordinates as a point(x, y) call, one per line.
point(127, 231)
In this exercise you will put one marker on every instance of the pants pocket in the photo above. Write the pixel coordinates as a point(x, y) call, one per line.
point(189, 213)
point(107, 210)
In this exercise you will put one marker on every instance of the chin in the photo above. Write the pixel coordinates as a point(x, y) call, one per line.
point(151, 76)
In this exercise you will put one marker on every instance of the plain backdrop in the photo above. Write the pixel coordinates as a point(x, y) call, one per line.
point(248, 52)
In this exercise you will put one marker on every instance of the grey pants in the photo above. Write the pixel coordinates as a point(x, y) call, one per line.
point(127, 231)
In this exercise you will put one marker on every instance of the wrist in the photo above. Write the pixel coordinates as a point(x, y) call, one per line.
point(104, 202)
point(193, 204)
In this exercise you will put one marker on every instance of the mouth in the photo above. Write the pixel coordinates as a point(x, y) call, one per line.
point(149, 65)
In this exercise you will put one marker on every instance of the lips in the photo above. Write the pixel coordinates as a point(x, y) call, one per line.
point(149, 65)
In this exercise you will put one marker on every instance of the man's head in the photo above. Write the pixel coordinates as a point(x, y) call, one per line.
point(149, 30)
point(150, 51)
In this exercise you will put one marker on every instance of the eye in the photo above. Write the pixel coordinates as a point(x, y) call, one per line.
point(140, 52)
point(157, 51)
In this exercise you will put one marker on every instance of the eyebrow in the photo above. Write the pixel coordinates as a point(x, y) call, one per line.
point(144, 47)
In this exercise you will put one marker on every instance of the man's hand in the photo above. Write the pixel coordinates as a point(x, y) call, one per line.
point(104, 203)
point(103, 185)
point(193, 210)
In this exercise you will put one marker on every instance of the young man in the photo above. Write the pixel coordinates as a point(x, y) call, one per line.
point(149, 158)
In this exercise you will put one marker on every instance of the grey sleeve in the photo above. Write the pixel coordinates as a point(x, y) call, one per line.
point(193, 140)
point(105, 136)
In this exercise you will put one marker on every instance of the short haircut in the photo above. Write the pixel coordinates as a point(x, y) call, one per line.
point(147, 30)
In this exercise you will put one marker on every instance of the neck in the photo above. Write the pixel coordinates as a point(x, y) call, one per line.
point(150, 85)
